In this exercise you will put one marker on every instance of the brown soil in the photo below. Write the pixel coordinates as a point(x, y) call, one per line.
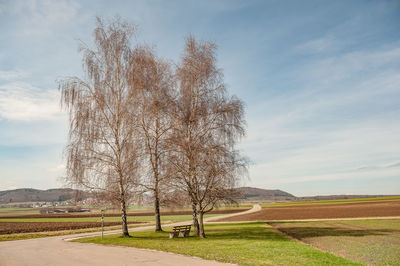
point(28, 227)
point(82, 215)
point(374, 209)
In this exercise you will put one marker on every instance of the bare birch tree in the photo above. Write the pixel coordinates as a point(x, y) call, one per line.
point(207, 126)
point(155, 85)
point(102, 151)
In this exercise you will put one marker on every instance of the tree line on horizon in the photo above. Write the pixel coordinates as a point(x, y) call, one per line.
point(138, 122)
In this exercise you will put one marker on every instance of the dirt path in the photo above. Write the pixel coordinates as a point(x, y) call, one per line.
point(57, 251)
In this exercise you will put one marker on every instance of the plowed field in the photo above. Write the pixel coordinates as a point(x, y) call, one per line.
point(27, 227)
point(375, 209)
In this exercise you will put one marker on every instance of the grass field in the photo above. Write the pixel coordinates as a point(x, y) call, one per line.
point(18, 211)
point(241, 243)
point(339, 201)
point(367, 241)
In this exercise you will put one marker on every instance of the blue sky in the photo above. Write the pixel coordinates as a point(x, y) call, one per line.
point(320, 79)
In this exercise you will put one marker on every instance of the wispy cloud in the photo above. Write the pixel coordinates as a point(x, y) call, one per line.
point(380, 166)
point(22, 102)
point(12, 74)
point(322, 91)
point(37, 17)
point(339, 176)
point(332, 153)
point(327, 43)
point(56, 169)
point(342, 124)
point(9, 185)
point(327, 71)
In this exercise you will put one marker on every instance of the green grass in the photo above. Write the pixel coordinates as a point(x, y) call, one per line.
point(18, 211)
point(339, 201)
point(241, 243)
point(367, 241)
point(164, 218)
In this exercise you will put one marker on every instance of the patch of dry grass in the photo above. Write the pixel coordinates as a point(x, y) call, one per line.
point(366, 241)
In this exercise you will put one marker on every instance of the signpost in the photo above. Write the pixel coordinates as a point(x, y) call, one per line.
point(102, 223)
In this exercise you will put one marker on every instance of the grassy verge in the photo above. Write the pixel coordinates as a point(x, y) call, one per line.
point(241, 243)
point(368, 241)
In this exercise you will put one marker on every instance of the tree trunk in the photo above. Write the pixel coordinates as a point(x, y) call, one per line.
point(201, 225)
point(195, 220)
point(157, 212)
point(124, 220)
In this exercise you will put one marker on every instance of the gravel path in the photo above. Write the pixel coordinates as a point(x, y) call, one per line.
point(59, 251)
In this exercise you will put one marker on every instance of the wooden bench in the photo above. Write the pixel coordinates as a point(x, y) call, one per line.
point(180, 231)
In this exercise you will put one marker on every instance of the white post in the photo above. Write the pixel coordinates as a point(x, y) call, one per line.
point(102, 223)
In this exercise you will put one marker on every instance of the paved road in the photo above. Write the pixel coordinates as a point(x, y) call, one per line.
point(256, 208)
point(58, 251)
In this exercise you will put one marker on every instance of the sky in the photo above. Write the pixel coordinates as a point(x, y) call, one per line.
point(320, 81)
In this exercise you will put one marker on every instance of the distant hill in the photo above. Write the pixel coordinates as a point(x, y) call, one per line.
point(251, 193)
point(62, 194)
point(30, 194)
point(246, 193)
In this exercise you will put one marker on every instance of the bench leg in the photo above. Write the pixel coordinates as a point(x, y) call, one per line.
point(171, 235)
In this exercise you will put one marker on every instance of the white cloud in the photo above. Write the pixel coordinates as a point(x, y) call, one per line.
point(323, 44)
point(379, 166)
point(33, 174)
point(22, 102)
point(326, 72)
point(367, 149)
point(9, 185)
point(349, 175)
point(342, 124)
point(12, 74)
point(57, 169)
point(42, 16)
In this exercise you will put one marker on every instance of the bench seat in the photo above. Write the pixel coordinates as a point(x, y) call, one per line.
point(180, 231)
